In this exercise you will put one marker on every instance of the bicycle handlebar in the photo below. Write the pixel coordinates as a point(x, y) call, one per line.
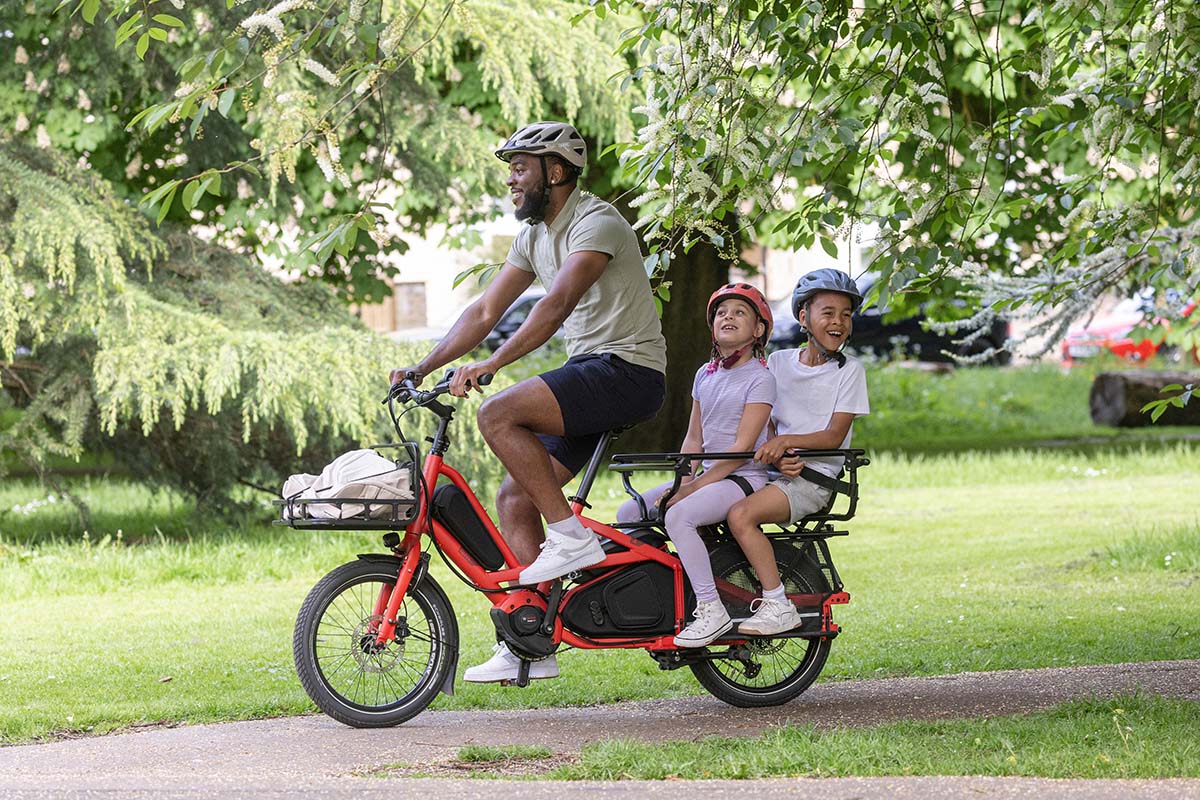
point(406, 390)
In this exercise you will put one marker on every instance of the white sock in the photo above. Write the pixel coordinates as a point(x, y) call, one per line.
point(570, 527)
point(777, 594)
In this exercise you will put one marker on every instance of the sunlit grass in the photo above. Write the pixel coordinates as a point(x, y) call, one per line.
point(957, 562)
point(1129, 737)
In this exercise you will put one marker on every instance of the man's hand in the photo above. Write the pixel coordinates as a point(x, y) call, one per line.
point(400, 374)
point(772, 451)
point(790, 466)
point(467, 377)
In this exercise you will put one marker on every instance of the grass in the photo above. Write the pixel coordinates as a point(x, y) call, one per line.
point(1129, 737)
point(958, 560)
point(478, 753)
point(988, 409)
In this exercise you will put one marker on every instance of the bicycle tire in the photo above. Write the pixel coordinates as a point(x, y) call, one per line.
point(332, 647)
point(791, 664)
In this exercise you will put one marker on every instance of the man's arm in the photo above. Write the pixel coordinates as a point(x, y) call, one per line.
point(578, 274)
point(476, 321)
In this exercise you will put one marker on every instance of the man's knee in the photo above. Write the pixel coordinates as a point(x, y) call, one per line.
point(512, 499)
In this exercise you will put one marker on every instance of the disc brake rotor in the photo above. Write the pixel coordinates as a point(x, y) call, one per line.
point(368, 653)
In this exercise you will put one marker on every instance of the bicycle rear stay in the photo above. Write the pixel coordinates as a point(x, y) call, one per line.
point(638, 597)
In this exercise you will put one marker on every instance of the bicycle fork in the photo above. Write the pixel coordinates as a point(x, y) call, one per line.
point(387, 604)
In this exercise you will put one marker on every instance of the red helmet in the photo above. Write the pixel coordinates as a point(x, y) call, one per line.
point(743, 291)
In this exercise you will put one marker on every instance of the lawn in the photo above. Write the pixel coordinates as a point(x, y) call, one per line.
point(957, 561)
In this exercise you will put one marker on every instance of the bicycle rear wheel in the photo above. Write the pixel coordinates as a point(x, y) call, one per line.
point(773, 671)
point(351, 678)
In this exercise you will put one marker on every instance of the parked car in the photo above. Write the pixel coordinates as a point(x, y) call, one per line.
point(879, 335)
point(511, 320)
point(1113, 331)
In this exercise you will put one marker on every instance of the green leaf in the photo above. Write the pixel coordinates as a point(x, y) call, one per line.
point(128, 28)
point(829, 246)
point(90, 7)
point(189, 194)
point(143, 44)
point(158, 33)
point(168, 20)
point(226, 102)
point(166, 206)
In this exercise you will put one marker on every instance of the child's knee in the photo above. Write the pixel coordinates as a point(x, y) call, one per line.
point(741, 518)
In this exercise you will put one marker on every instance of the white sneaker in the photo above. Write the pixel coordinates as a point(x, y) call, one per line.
point(504, 664)
point(712, 620)
point(561, 555)
point(770, 617)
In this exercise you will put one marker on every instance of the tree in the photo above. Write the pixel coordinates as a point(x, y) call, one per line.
point(1035, 155)
point(190, 363)
point(258, 120)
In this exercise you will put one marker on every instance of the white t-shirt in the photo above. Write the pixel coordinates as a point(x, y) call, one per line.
point(723, 396)
point(808, 397)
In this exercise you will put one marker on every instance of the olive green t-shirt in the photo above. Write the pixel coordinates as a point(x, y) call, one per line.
point(617, 313)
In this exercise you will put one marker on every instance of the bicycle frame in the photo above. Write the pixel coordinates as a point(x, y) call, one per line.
point(500, 584)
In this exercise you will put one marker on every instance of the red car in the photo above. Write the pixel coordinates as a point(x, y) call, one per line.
point(1112, 332)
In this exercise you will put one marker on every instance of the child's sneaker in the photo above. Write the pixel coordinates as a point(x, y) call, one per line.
point(711, 621)
point(771, 617)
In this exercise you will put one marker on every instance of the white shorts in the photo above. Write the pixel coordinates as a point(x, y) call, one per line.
point(804, 497)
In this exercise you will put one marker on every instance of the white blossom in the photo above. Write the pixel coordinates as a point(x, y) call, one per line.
point(21, 56)
point(320, 70)
point(22, 123)
point(43, 138)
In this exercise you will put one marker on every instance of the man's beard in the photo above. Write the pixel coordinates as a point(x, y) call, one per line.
point(534, 203)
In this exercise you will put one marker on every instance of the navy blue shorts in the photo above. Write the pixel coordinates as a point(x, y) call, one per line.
point(597, 393)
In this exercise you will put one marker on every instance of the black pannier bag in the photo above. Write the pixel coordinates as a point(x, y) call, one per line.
point(639, 599)
point(452, 509)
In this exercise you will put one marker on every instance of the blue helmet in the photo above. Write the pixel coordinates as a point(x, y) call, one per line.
point(825, 280)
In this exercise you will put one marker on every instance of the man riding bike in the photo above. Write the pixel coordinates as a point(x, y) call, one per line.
point(544, 428)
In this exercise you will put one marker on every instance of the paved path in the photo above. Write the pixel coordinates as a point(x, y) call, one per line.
point(313, 755)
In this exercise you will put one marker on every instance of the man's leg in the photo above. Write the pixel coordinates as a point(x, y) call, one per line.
point(510, 422)
point(520, 520)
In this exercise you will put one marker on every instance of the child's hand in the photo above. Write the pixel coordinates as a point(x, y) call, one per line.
point(790, 466)
point(772, 451)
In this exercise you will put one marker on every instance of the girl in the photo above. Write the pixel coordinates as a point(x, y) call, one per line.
point(821, 391)
point(732, 397)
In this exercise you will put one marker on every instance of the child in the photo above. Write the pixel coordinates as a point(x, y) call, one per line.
point(821, 391)
point(732, 397)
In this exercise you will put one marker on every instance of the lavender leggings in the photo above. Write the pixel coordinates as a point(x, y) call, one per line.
point(706, 506)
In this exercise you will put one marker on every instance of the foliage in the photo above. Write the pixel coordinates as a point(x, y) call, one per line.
point(312, 133)
point(193, 364)
point(1040, 153)
point(1177, 396)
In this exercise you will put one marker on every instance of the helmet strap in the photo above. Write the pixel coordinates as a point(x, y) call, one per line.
point(827, 355)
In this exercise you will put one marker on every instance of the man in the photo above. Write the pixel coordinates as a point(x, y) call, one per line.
point(545, 428)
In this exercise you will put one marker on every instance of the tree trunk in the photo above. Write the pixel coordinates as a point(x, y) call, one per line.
point(1117, 398)
point(694, 276)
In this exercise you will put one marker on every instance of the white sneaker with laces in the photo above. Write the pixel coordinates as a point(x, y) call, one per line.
point(562, 555)
point(504, 664)
point(771, 617)
point(711, 620)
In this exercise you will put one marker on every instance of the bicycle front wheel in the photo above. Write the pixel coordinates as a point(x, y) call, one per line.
point(349, 676)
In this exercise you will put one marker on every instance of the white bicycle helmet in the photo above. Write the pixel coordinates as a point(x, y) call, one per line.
point(547, 139)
